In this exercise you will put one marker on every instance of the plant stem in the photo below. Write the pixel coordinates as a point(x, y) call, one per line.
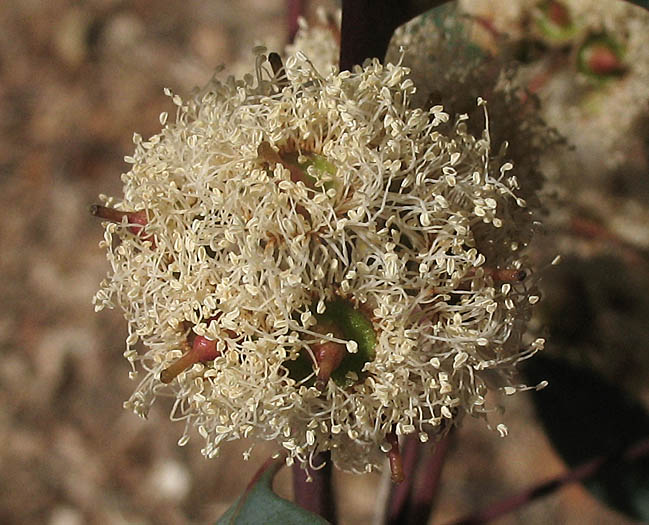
point(368, 25)
point(400, 494)
point(317, 495)
point(295, 9)
point(411, 502)
point(580, 473)
point(427, 484)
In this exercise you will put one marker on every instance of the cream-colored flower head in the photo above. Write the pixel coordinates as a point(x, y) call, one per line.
point(289, 214)
point(320, 40)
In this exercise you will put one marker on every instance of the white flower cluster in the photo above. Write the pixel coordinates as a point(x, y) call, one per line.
point(289, 211)
point(600, 118)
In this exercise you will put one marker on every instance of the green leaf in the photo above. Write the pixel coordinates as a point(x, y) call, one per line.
point(585, 417)
point(259, 504)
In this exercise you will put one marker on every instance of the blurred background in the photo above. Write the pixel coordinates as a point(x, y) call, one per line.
point(76, 80)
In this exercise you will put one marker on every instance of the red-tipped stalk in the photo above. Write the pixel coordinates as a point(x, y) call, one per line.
point(328, 355)
point(559, 14)
point(136, 219)
point(202, 350)
point(395, 459)
point(604, 61)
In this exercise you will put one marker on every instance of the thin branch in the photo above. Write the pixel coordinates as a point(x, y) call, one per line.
point(580, 473)
point(317, 495)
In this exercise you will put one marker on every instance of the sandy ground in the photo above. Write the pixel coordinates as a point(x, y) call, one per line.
point(76, 80)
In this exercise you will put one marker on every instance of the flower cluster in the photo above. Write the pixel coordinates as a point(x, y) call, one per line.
point(587, 63)
point(311, 259)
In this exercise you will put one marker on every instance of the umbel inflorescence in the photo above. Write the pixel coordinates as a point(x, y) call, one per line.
point(312, 260)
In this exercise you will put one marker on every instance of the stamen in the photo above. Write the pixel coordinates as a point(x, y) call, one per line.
point(268, 154)
point(395, 459)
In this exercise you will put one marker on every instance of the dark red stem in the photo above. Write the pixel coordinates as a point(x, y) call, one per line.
point(580, 473)
point(400, 493)
point(295, 9)
point(317, 495)
point(411, 502)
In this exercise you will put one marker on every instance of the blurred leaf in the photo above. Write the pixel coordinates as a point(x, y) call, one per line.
point(585, 418)
point(259, 504)
point(641, 3)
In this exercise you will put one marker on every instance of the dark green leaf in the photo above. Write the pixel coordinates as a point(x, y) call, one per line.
point(259, 504)
point(368, 25)
point(585, 417)
point(641, 3)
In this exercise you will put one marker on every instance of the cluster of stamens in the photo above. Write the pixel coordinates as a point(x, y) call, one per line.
point(338, 268)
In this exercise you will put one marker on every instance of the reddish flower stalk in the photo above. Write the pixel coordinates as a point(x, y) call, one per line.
point(395, 459)
point(201, 350)
point(400, 494)
point(111, 214)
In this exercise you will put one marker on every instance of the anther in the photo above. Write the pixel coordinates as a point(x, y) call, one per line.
point(395, 459)
point(269, 155)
